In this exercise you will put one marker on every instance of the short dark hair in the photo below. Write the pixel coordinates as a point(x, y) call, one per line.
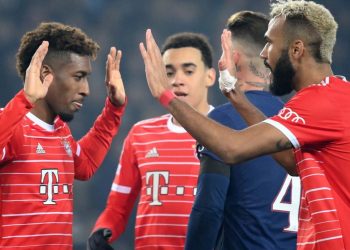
point(63, 40)
point(249, 27)
point(194, 40)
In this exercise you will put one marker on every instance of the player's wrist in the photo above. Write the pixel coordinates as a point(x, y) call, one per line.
point(166, 97)
point(30, 98)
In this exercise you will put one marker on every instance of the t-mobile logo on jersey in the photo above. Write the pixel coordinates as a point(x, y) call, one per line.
point(154, 188)
point(51, 186)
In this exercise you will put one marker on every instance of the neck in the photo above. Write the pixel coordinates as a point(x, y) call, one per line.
point(253, 82)
point(43, 112)
point(311, 75)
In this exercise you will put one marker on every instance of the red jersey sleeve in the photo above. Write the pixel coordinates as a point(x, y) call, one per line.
point(310, 117)
point(10, 116)
point(93, 147)
point(124, 191)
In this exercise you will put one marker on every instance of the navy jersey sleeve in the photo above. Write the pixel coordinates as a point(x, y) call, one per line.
point(207, 212)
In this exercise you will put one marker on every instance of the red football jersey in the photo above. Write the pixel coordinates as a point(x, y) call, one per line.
point(317, 122)
point(38, 164)
point(158, 162)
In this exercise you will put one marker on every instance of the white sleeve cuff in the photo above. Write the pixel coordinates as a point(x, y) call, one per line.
point(292, 138)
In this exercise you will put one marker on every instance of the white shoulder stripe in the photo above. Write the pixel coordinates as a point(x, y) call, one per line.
point(292, 138)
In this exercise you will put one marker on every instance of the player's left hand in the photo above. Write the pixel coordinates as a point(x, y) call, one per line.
point(98, 240)
point(113, 80)
point(229, 57)
point(228, 61)
point(154, 66)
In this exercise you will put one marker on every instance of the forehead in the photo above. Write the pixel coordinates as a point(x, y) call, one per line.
point(179, 56)
point(75, 63)
point(275, 28)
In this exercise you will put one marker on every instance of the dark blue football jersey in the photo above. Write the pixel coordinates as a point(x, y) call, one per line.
point(250, 205)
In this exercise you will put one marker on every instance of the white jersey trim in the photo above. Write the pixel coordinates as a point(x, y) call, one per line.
point(41, 123)
point(178, 129)
point(3, 153)
point(292, 138)
point(78, 150)
point(121, 189)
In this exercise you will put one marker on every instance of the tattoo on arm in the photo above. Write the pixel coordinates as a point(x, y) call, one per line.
point(283, 145)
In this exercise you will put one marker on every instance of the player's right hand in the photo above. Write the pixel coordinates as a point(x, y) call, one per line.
point(98, 240)
point(34, 88)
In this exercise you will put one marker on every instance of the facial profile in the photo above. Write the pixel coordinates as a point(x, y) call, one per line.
point(282, 76)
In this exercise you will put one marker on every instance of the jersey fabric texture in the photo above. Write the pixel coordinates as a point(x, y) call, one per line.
point(317, 122)
point(38, 164)
point(158, 161)
point(250, 205)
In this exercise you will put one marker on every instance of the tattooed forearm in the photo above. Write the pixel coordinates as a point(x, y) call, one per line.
point(283, 145)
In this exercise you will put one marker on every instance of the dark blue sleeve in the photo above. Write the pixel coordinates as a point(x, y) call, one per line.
point(208, 209)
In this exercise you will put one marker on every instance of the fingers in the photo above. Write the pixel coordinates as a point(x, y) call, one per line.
point(113, 52)
point(118, 58)
point(143, 51)
point(112, 63)
point(226, 39)
point(222, 61)
point(38, 57)
point(40, 53)
point(152, 47)
point(225, 60)
point(108, 65)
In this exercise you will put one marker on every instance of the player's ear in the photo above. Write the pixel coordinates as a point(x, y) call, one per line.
point(45, 70)
point(297, 49)
point(211, 77)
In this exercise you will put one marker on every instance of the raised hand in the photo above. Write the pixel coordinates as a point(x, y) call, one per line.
point(34, 88)
point(227, 65)
point(113, 79)
point(229, 57)
point(154, 67)
point(228, 61)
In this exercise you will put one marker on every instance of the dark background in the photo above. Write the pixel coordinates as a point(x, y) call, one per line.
point(122, 24)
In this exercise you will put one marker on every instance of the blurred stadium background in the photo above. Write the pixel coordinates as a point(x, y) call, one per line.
point(122, 24)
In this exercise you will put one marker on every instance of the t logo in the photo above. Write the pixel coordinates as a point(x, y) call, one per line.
point(154, 189)
point(51, 186)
